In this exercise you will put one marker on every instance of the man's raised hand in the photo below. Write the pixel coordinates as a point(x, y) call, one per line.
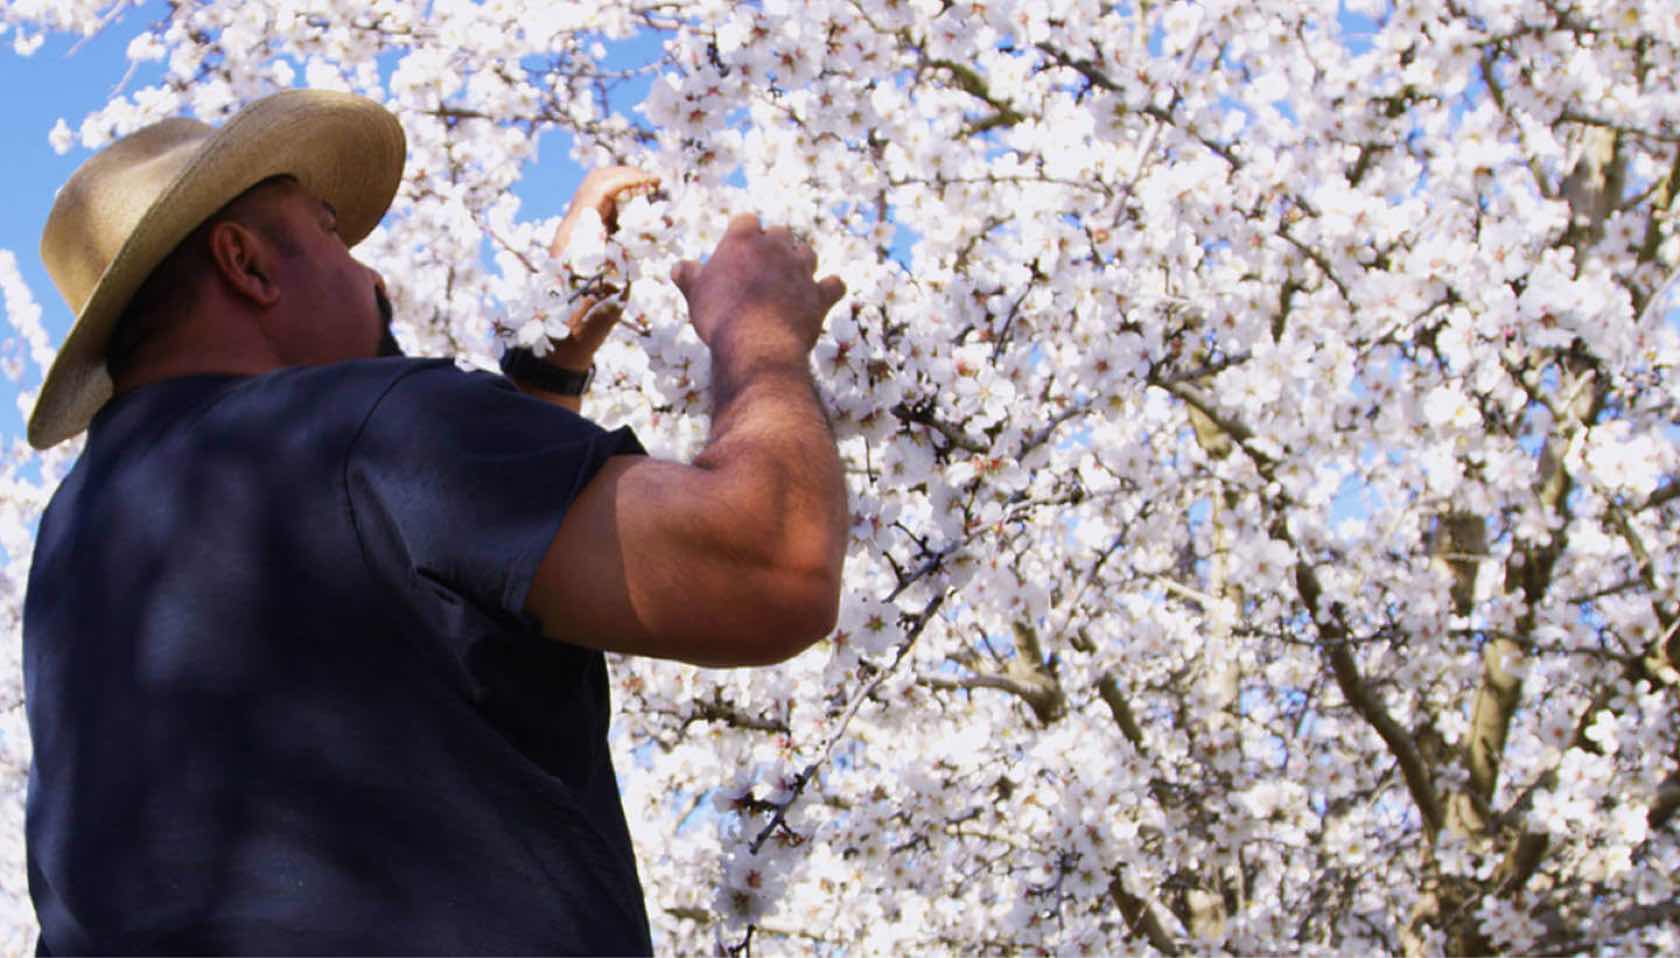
point(757, 293)
point(735, 558)
point(600, 192)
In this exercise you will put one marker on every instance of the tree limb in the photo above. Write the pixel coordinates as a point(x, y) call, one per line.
point(1109, 688)
point(1665, 804)
point(1334, 638)
point(1564, 938)
point(1045, 701)
point(953, 434)
point(1140, 917)
point(1415, 771)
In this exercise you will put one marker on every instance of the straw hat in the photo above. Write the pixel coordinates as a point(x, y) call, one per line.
point(126, 209)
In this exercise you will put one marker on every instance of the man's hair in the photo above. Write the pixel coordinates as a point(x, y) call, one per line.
point(160, 298)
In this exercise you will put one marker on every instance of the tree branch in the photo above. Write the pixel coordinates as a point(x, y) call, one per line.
point(971, 83)
point(953, 435)
point(778, 819)
point(1109, 689)
point(1564, 939)
point(1413, 769)
point(1667, 493)
point(1604, 123)
point(1140, 917)
point(1045, 700)
point(1026, 678)
point(728, 714)
point(1665, 804)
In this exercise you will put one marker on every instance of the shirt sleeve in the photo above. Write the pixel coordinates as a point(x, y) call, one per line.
point(459, 481)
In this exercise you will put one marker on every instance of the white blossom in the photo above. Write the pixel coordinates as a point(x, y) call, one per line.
point(1179, 340)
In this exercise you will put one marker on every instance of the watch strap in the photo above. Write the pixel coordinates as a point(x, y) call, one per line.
point(523, 366)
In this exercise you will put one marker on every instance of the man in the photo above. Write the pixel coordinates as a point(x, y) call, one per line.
point(313, 639)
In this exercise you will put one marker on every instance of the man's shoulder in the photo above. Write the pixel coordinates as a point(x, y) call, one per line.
point(360, 388)
point(361, 374)
point(438, 406)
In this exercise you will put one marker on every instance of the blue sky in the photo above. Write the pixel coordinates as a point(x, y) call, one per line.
point(52, 83)
point(69, 77)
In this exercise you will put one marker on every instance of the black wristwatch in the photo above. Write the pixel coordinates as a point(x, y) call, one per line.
point(523, 366)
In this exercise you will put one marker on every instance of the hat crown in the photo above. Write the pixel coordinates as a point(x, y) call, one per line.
point(98, 209)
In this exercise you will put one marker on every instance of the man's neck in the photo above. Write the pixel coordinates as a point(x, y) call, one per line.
point(180, 355)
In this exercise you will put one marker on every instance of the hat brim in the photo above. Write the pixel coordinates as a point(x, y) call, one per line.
point(345, 149)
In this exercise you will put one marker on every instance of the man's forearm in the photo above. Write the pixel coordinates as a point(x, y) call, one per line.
point(771, 468)
point(770, 433)
point(575, 353)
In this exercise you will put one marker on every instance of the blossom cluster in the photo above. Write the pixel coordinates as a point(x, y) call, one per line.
point(1259, 425)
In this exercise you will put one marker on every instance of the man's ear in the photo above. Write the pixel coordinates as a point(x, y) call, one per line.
point(245, 262)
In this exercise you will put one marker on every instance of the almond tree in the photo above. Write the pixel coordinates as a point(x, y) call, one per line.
point(1260, 420)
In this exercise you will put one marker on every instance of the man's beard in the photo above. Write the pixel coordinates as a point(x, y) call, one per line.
point(387, 342)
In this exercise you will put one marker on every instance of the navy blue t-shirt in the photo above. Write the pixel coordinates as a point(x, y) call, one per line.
point(282, 691)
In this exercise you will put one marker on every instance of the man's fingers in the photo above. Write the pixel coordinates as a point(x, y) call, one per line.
point(603, 188)
point(591, 326)
point(612, 179)
point(793, 240)
point(626, 181)
point(744, 223)
point(684, 273)
point(831, 288)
